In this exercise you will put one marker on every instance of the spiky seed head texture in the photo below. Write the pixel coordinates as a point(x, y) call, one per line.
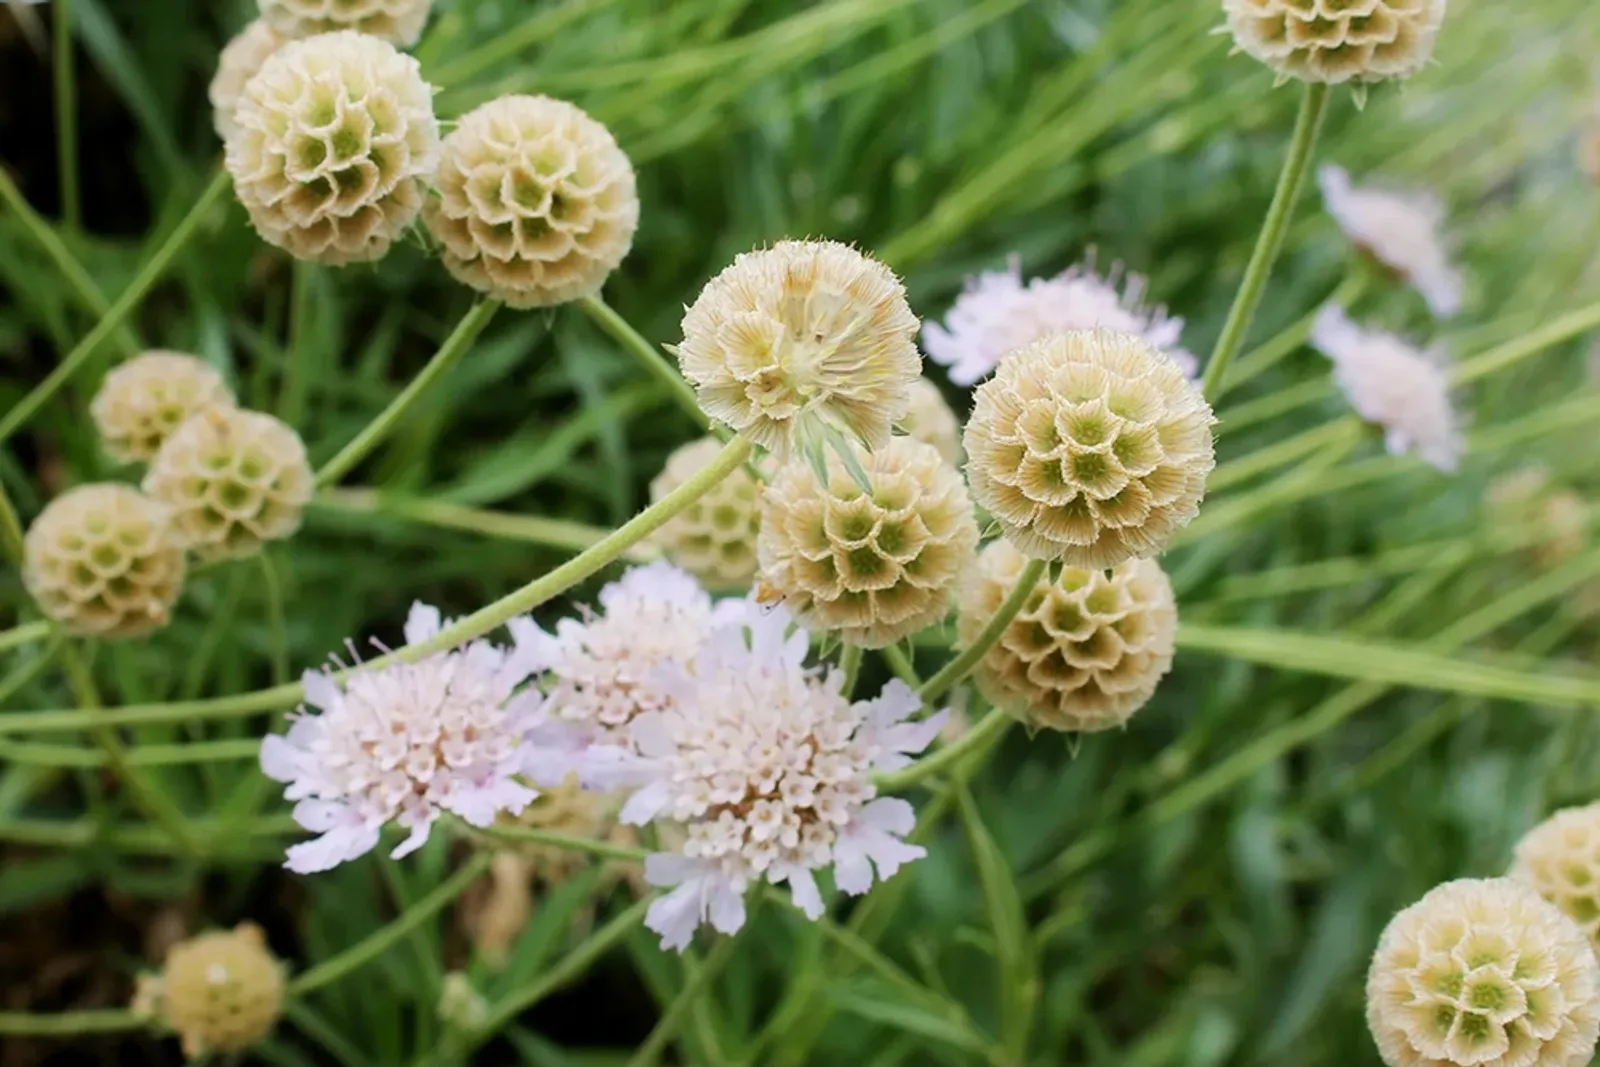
point(1085, 652)
point(334, 146)
point(1091, 447)
point(399, 22)
point(221, 991)
point(143, 400)
point(929, 419)
point(233, 480)
point(714, 538)
point(537, 205)
point(1337, 41)
point(875, 567)
point(1483, 972)
point(801, 340)
point(103, 560)
point(240, 60)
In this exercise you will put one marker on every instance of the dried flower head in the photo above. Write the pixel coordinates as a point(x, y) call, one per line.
point(800, 342)
point(929, 419)
point(143, 400)
point(875, 567)
point(1337, 41)
point(1393, 385)
point(537, 205)
point(1398, 230)
point(103, 560)
point(396, 21)
point(1561, 859)
point(234, 480)
point(1483, 973)
point(997, 314)
point(333, 146)
point(714, 538)
point(1090, 447)
point(767, 768)
point(1085, 652)
point(1559, 518)
point(241, 59)
point(221, 991)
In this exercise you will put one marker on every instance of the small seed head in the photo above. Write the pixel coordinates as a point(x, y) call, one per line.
point(399, 22)
point(714, 538)
point(143, 400)
point(240, 61)
point(221, 991)
point(929, 419)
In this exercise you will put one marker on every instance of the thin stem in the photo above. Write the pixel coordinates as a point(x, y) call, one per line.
point(296, 352)
point(66, 117)
point(456, 73)
point(901, 665)
point(850, 664)
point(11, 537)
point(376, 943)
point(987, 730)
point(968, 658)
point(28, 670)
point(1266, 355)
point(42, 755)
point(149, 274)
point(69, 1023)
point(650, 358)
point(590, 845)
point(459, 341)
point(140, 838)
point(1306, 127)
point(25, 634)
point(277, 634)
point(700, 978)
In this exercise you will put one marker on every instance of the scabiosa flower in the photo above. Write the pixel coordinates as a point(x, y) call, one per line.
point(766, 768)
point(930, 420)
point(1398, 230)
point(713, 538)
point(396, 21)
point(1393, 385)
point(998, 314)
point(143, 400)
point(1090, 447)
point(1337, 41)
point(241, 59)
point(1561, 859)
point(406, 742)
point(801, 343)
point(333, 146)
point(221, 991)
point(537, 205)
point(1526, 497)
point(875, 566)
point(1483, 973)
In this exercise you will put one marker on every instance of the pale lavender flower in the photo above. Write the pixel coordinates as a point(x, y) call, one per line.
point(1401, 230)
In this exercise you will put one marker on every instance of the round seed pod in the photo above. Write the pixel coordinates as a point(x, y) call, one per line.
point(537, 205)
point(396, 21)
point(1558, 516)
point(1483, 973)
point(1090, 447)
point(143, 400)
point(103, 560)
point(873, 566)
point(930, 419)
point(233, 480)
point(1561, 859)
point(221, 991)
point(333, 146)
point(714, 538)
point(1084, 653)
point(1337, 41)
point(240, 61)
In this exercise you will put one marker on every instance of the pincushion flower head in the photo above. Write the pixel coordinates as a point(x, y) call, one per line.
point(1393, 385)
point(998, 314)
point(240, 60)
point(1400, 231)
point(1561, 859)
point(1337, 41)
point(930, 420)
point(406, 742)
point(801, 344)
point(713, 538)
point(1484, 973)
point(333, 146)
point(765, 766)
point(1091, 447)
point(221, 991)
point(141, 402)
point(396, 21)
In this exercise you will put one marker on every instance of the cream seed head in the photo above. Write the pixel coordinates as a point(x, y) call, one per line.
point(102, 560)
point(1086, 651)
point(233, 479)
point(930, 420)
point(874, 567)
point(333, 147)
point(1558, 517)
point(1483, 973)
point(220, 992)
point(1337, 41)
point(1561, 859)
point(714, 538)
point(1091, 447)
point(801, 343)
point(141, 402)
point(1401, 231)
point(241, 59)
point(396, 21)
point(537, 205)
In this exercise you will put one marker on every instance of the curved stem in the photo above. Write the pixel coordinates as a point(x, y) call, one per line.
point(901, 665)
point(278, 636)
point(650, 358)
point(66, 117)
point(11, 536)
point(69, 1023)
point(699, 979)
point(984, 733)
point(968, 658)
point(1306, 127)
point(1269, 353)
point(850, 663)
point(296, 352)
point(590, 845)
point(25, 634)
point(454, 347)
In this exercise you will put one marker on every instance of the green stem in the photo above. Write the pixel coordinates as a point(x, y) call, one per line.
point(376, 943)
point(69, 1023)
point(28, 670)
point(1306, 127)
point(140, 838)
point(650, 358)
point(456, 345)
point(11, 537)
point(42, 755)
point(983, 733)
point(1569, 325)
point(901, 665)
point(1279, 453)
point(508, 45)
point(148, 275)
point(700, 978)
point(1261, 359)
point(590, 845)
point(277, 634)
point(297, 353)
point(968, 658)
point(25, 634)
point(850, 664)
point(66, 117)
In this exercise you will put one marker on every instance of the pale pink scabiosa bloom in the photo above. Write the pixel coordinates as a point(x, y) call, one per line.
point(406, 742)
point(1393, 385)
point(1401, 231)
point(998, 314)
point(765, 766)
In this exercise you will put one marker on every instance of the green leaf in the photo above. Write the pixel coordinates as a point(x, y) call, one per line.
point(1018, 977)
point(874, 1003)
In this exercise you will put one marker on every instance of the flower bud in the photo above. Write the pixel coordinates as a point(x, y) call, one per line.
point(221, 991)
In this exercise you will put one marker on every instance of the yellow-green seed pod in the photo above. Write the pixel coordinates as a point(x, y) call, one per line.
point(222, 991)
point(714, 538)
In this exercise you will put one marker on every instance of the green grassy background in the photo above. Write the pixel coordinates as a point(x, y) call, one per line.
point(1202, 890)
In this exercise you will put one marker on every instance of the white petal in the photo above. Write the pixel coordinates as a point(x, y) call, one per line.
point(645, 805)
point(422, 623)
point(676, 915)
point(727, 905)
point(321, 691)
point(851, 871)
point(803, 890)
point(417, 838)
point(331, 849)
point(480, 805)
point(651, 735)
point(280, 760)
point(662, 869)
point(319, 816)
